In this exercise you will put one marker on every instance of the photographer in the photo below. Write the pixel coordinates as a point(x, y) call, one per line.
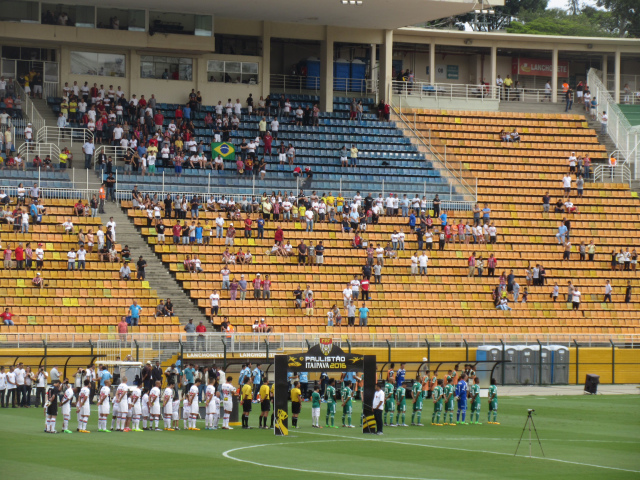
point(78, 381)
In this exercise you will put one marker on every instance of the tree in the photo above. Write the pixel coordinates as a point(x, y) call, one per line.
point(558, 22)
point(573, 6)
point(627, 13)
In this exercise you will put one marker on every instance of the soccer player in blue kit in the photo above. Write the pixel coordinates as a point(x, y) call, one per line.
point(462, 392)
point(400, 374)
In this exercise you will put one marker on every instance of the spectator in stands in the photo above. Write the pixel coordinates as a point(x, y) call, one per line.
point(134, 311)
point(7, 317)
point(125, 271)
point(141, 265)
point(123, 329)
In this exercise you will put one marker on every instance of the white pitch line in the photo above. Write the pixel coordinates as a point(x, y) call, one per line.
point(503, 438)
point(569, 462)
point(323, 472)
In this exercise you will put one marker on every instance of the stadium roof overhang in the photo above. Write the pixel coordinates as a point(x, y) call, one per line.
point(378, 14)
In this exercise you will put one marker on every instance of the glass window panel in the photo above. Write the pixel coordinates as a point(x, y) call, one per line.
point(51, 72)
point(215, 66)
point(146, 70)
point(146, 58)
point(249, 67)
point(8, 68)
point(103, 64)
point(203, 25)
point(186, 61)
point(137, 20)
point(232, 67)
point(18, 11)
point(85, 16)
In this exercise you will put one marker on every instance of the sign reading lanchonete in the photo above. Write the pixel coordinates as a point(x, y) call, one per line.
point(539, 67)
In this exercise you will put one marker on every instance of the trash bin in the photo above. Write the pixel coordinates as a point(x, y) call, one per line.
point(529, 356)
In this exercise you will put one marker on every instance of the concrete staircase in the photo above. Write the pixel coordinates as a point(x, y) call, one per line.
point(157, 274)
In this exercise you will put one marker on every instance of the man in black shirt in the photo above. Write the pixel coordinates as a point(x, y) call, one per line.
point(302, 253)
point(368, 202)
point(160, 230)
point(546, 200)
point(52, 409)
point(297, 293)
point(128, 160)
point(167, 206)
point(141, 264)
point(111, 187)
point(320, 253)
point(156, 372)
point(366, 271)
point(436, 206)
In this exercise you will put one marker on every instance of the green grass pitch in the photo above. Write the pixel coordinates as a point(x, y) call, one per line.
point(582, 437)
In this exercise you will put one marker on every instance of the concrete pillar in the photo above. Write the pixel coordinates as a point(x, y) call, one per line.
point(386, 61)
point(616, 78)
point(432, 62)
point(374, 67)
point(494, 70)
point(605, 70)
point(554, 76)
point(326, 71)
point(265, 79)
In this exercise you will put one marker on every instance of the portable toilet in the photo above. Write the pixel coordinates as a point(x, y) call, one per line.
point(341, 72)
point(488, 353)
point(313, 73)
point(560, 365)
point(546, 365)
point(529, 356)
point(511, 366)
point(357, 77)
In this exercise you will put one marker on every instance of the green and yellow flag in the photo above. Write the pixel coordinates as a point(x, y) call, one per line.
point(224, 149)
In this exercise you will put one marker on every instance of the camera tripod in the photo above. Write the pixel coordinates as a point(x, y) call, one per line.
point(529, 422)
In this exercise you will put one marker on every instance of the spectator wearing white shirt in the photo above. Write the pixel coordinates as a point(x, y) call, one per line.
point(423, 262)
point(414, 264)
point(71, 260)
point(82, 255)
point(608, 290)
point(347, 295)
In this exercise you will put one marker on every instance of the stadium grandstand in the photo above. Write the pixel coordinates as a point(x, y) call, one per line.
point(292, 172)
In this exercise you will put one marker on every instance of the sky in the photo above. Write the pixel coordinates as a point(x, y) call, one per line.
point(563, 3)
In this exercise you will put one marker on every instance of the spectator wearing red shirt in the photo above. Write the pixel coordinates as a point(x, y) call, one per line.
point(142, 102)
point(19, 257)
point(472, 265)
point(257, 287)
point(123, 328)
point(364, 288)
point(200, 330)
point(158, 120)
point(7, 318)
point(279, 235)
point(247, 226)
point(268, 141)
point(179, 113)
point(177, 231)
point(492, 263)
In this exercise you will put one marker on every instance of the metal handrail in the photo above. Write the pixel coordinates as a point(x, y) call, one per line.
point(625, 137)
point(303, 84)
point(58, 135)
point(619, 173)
point(55, 193)
point(439, 159)
point(29, 110)
point(277, 342)
point(111, 151)
point(40, 149)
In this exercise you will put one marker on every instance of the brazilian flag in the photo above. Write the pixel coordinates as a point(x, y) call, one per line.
point(224, 149)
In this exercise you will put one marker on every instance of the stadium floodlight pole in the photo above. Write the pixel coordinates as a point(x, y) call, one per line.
point(530, 423)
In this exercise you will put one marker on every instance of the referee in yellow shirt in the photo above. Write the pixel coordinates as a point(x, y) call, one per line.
point(247, 397)
point(265, 403)
point(295, 404)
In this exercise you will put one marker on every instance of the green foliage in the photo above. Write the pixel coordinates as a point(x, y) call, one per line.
point(514, 7)
point(627, 14)
point(558, 22)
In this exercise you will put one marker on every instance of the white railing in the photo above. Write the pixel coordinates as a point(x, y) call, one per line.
point(29, 111)
point(625, 79)
point(291, 342)
point(116, 153)
point(28, 151)
point(58, 135)
point(457, 175)
point(55, 193)
point(617, 174)
point(624, 136)
point(444, 90)
point(305, 84)
point(51, 89)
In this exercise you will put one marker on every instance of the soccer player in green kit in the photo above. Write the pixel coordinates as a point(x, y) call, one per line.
point(331, 402)
point(390, 404)
point(475, 403)
point(493, 403)
point(347, 395)
point(315, 407)
point(418, 396)
point(401, 402)
point(437, 396)
point(448, 402)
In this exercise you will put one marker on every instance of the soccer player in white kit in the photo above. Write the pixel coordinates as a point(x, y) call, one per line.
point(167, 406)
point(194, 406)
point(186, 410)
point(83, 408)
point(66, 406)
point(144, 406)
point(175, 416)
point(134, 401)
point(228, 391)
point(103, 407)
point(123, 405)
point(154, 406)
point(210, 405)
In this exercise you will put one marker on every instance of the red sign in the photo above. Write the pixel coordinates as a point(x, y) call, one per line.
point(541, 68)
